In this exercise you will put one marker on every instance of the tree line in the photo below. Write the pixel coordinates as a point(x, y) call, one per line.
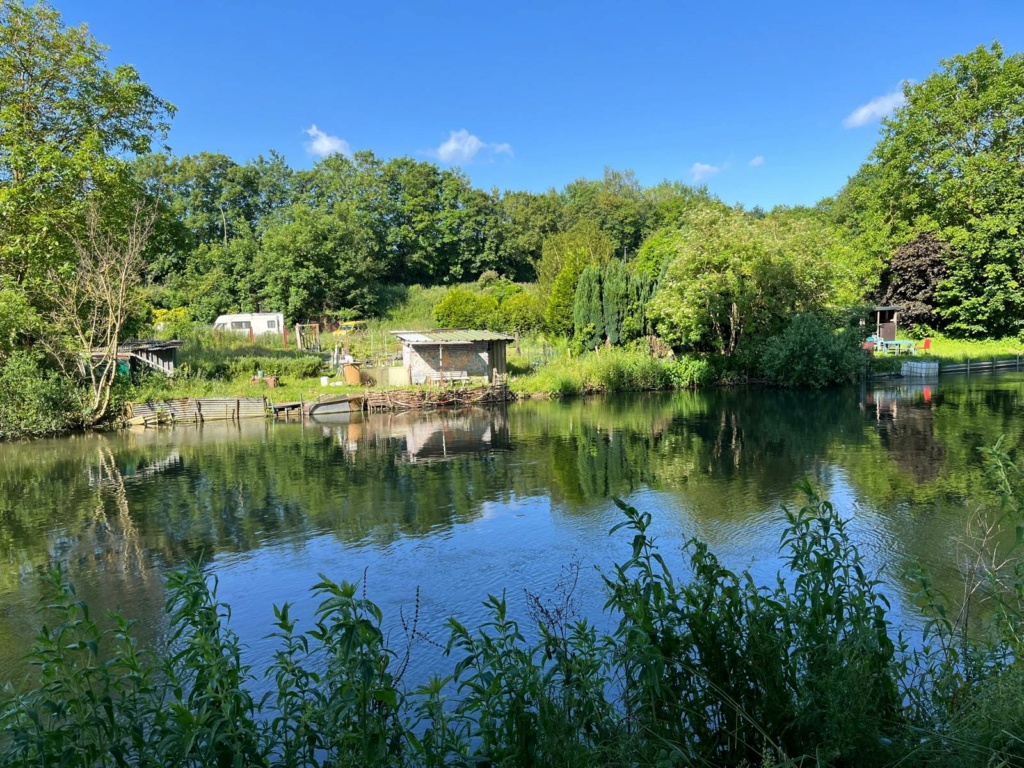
point(89, 196)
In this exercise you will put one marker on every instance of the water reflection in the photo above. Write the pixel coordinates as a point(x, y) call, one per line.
point(482, 498)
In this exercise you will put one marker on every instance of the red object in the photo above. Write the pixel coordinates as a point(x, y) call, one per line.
point(925, 345)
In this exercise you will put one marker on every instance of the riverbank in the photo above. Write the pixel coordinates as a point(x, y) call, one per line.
point(36, 403)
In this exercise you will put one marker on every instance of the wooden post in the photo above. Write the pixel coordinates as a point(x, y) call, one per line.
point(252, 335)
point(284, 335)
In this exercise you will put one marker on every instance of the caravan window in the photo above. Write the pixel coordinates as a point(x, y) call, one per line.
point(271, 323)
point(240, 325)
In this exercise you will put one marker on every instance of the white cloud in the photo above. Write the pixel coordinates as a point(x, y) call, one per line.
point(876, 109)
point(702, 171)
point(756, 162)
point(322, 144)
point(462, 147)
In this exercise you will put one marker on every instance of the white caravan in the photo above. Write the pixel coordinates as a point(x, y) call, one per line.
point(257, 322)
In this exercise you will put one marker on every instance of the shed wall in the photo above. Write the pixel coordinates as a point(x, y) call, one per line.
point(426, 360)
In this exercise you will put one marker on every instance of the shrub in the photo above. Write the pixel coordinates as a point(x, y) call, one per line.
point(809, 353)
point(35, 401)
point(689, 372)
point(521, 312)
point(461, 308)
point(297, 366)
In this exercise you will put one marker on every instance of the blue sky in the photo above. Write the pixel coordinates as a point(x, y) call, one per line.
point(757, 100)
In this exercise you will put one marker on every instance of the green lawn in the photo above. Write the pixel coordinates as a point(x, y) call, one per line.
point(958, 351)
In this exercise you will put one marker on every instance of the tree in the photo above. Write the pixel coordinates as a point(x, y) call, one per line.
point(67, 122)
point(95, 300)
point(587, 310)
point(565, 257)
point(614, 299)
point(949, 161)
point(521, 312)
point(735, 276)
point(911, 279)
point(313, 261)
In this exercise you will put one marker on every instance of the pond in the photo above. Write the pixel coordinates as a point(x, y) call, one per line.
point(434, 511)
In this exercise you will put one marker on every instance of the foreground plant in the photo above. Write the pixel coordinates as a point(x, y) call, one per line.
point(710, 670)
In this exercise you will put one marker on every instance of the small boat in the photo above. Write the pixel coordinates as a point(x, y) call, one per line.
point(333, 406)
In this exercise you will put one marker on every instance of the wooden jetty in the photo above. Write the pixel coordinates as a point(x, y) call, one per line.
point(324, 406)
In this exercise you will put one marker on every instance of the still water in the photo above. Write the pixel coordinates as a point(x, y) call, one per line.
point(455, 506)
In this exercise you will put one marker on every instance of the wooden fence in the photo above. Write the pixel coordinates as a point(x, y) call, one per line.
point(196, 410)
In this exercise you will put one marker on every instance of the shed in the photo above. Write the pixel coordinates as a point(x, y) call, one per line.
point(453, 354)
point(159, 355)
point(886, 321)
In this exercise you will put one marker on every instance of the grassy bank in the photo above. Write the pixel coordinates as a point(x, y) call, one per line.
point(609, 370)
point(709, 669)
point(958, 351)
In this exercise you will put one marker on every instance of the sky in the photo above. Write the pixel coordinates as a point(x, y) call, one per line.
point(767, 103)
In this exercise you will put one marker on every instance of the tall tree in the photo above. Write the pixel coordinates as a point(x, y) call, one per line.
point(565, 257)
point(67, 123)
point(912, 276)
point(587, 310)
point(736, 277)
point(951, 160)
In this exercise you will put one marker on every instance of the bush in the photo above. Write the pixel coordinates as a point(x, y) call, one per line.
point(35, 401)
point(689, 372)
point(521, 312)
point(809, 353)
point(461, 308)
point(297, 366)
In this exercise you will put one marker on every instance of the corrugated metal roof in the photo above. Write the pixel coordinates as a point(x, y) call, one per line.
point(450, 336)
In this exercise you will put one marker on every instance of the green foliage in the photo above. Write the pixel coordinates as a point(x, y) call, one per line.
point(19, 320)
point(461, 308)
point(736, 277)
point(949, 160)
point(565, 257)
point(68, 122)
point(522, 312)
point(615, 295)
point(312, 261)
point(811, 354)
point(588, 310)
point(35, 401)
point(609, 370)
point(689, 372)
point(719, 670)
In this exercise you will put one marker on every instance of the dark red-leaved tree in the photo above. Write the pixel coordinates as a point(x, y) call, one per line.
point(911, 277)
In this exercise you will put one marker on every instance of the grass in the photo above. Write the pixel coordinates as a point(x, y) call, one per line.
point(608, 370)
point(958, 350)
